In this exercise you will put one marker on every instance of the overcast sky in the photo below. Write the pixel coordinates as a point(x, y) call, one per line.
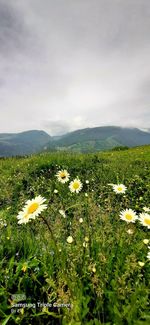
point(70, 64)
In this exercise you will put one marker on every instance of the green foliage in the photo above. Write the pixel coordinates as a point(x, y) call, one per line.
point(98, 283)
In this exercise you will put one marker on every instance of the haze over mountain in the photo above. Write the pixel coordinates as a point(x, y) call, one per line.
point(83, 140)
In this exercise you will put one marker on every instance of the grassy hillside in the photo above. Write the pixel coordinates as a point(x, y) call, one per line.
point(85, 141)
point(99, 278)
point(24, 143)
point(102, 138)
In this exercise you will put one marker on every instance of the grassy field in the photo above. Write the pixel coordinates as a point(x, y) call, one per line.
point(103, 275)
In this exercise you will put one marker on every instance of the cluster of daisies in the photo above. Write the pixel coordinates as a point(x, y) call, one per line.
point(34, 207)
point(63, 176)
point(130, 215)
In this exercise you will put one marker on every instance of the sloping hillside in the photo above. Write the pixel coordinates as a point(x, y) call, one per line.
point(22, 143)
point(102, 138)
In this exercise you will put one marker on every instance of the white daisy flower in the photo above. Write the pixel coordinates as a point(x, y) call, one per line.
point(62, 212)
point(128, 215)
point(145, 241)
point(85, 244)
point(146, 209)
point(55, 191)
point(141, 263)
point(32, 209)
point(80, 220)
point(148, 255)
point(145, 219)
point(130, 231)
point(119, 188)
point(69, 240)
point(24, 217)
point(63, 176)
point(75, 186)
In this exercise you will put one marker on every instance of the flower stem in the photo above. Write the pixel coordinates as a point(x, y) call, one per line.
point(51, 232)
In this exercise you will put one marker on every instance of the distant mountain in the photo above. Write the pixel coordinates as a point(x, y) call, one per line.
point(102, 138)
point(24, 143)
point(84, 140)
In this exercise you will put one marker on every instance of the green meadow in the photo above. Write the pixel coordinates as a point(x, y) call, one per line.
point(102, 276)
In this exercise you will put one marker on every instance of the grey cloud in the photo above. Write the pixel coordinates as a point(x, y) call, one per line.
point(12, 30)
point(57, 127)
point(69, 64)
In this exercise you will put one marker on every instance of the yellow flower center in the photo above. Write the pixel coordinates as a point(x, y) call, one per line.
point(119, 188)
point(63, 175)
point(147, 221)
point(128, 216)
point(76, 185)
point(33, 207)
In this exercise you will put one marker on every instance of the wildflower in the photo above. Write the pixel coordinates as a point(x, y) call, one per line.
point(63, 176)
point(24, 217)
point(130, 231)
point(85, 244)
point(141, 263)
point(93, 269)
point(146, 209)
point(128, 215)
point(3, 223)
point(62, 212)
point(80, 220)
point(75, 185)
point(145, 241)
point(55, 191)
point(86, 238)
point(86, 194)
point(69, 239)
point(87, 182)
point(32, 209)
point(119, 188)
point(145, 219)
point(24, 268)
point(148, 255)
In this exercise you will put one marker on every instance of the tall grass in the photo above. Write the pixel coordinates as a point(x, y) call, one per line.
point(97, 279)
